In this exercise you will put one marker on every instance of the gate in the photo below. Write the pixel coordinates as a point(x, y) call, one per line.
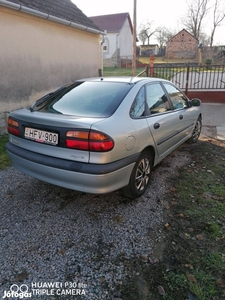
point(205, 82)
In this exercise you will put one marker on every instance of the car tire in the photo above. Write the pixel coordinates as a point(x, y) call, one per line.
point(140, 176)
point(196, 132)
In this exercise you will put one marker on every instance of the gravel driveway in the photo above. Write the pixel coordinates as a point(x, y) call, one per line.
point(56, 241)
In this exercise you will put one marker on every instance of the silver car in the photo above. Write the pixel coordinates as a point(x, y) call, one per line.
point(99, 135)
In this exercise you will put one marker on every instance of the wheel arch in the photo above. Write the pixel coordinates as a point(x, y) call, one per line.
point(151, 150)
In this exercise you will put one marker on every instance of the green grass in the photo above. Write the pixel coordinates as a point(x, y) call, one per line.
point(200, 191)
point(113, 71)
point(166, 73)
point(4, 159)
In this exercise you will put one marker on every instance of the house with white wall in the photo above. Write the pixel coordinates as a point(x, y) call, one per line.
point(117, 43)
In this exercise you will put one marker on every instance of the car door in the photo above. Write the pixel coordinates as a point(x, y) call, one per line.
point(162, 120)
point(182, 111)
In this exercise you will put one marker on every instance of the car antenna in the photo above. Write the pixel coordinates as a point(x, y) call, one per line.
point(131, 79)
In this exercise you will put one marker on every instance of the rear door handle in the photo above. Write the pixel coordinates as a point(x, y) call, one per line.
point(156, 125)
point(181, 117)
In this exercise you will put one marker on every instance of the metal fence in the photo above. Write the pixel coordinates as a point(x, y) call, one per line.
point(189, 77)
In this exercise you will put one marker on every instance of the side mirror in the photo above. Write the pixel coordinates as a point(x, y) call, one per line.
point(196, 102)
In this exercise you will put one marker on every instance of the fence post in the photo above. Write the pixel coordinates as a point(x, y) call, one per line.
point(151, 65)
point(146, 70)
point(187, 79)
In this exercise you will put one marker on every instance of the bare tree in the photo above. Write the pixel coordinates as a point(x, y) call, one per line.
point(146, 32)
point(197, 11)
point(218, 17)
point(204, 40)
point(162, 35)
point(142, 36)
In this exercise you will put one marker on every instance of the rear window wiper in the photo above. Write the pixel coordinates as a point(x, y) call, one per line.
point(45, 99)
point(40, 101)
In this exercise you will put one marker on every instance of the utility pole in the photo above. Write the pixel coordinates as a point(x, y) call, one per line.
point(134, 39)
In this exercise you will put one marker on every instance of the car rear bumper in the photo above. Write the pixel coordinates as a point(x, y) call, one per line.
point(86, 177)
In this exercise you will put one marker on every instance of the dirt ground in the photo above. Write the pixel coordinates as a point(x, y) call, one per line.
point(189, 263)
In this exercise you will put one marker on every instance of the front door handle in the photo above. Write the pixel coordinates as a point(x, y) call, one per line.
point(156, 125)
point(181, 117)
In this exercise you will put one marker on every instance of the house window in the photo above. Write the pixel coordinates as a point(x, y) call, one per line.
point(105, 46)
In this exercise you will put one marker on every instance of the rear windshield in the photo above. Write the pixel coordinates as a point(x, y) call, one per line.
point(85, 99)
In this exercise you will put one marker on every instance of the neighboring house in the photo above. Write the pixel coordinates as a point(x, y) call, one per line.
point(118, 41)
point(44, 44)
point(183, 46)
point(147, 50)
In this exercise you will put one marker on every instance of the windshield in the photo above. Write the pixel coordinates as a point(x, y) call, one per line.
point(87, 99)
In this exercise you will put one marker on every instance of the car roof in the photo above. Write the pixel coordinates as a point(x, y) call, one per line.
point(122, 79)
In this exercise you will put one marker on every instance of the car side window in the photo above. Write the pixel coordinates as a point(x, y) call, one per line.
point(138, 107)
point(178, 99)
point(156, 99)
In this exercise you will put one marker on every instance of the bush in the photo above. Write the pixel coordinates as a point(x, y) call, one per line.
point(208, 63)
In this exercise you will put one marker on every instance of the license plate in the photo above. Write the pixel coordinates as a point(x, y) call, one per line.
point(41, 136)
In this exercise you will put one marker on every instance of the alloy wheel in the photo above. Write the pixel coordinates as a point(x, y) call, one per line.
point(197, 130)
point(142, 174)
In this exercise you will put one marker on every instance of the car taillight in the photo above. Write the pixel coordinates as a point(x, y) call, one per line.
point(89, 140)
point(13, 127)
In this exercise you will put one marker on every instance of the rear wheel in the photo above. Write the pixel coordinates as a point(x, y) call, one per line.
point(140, 176)
point(196, 132)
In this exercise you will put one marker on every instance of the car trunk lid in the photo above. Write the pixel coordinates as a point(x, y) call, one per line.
point(47, 133)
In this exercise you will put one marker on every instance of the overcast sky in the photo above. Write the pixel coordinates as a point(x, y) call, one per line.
point(166, 13)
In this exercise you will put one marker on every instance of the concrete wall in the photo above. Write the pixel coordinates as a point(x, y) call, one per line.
point(3, 123)
point(114, 60)
point(38, 55)
point(212, 96)
point(182, 45)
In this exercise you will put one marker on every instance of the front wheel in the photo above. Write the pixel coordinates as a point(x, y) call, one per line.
point(196, 132)
point(140, 176)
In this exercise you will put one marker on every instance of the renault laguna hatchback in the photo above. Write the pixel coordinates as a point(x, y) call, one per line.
point(99, 135)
